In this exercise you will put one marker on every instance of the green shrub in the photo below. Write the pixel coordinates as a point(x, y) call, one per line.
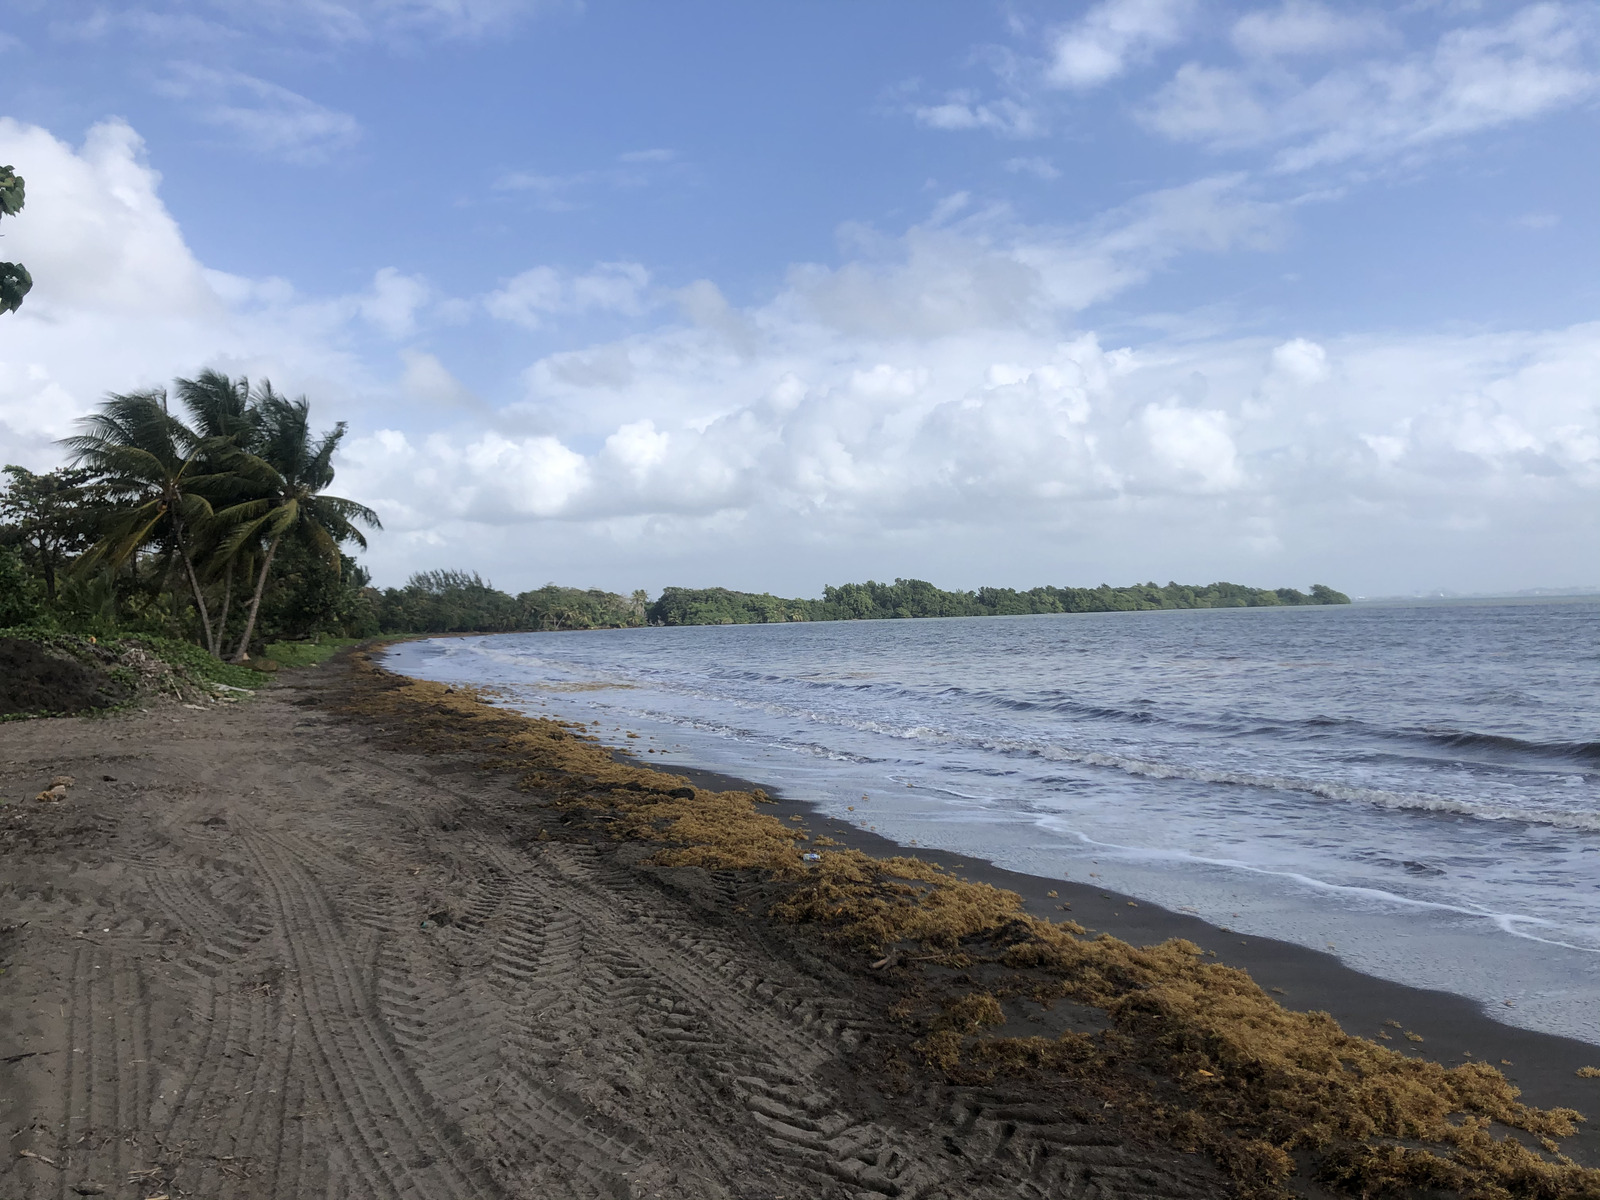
point(19, 591)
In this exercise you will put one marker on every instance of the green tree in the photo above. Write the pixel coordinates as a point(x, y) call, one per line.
point(19, 599)
point(15, 282)
point(53, 517)
point(290, 468)
point(229, 428)
point(150, 465)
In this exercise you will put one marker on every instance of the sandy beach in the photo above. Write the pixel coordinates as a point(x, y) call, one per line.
point(308, 943)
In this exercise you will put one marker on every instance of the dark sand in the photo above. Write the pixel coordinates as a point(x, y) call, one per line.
point(1454, 1029)
point(278, 949)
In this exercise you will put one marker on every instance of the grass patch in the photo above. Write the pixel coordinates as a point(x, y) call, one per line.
point(308, 654)
point(1196, 1053)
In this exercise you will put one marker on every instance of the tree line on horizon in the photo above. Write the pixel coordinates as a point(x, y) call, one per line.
point(915, 598)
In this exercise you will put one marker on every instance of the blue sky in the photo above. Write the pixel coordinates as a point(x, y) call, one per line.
point(783, 294)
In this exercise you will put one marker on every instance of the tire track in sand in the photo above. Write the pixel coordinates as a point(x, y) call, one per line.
point(388, 1128)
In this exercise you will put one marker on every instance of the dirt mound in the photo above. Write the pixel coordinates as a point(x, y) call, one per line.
point(35, 679)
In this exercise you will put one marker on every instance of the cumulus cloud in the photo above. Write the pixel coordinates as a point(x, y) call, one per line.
point(262, 116)
point(393, 302)
point(1301, 361)
point(1111, 36)
point(1196, 446)
point(1480, 77)
point(933, 390)
point(539, 293)
point(120, 301)
point(96, 236)
point(846, 437)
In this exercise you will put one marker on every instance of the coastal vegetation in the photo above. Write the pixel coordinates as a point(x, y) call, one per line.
point(184, 527)
point(910, 598)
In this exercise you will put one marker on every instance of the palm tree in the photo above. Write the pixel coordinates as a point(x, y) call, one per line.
point(292, 468)
point(151, 462)
point(222, 415)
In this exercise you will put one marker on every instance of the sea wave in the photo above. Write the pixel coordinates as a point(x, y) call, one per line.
point(1550, 933)
point(1327, 789)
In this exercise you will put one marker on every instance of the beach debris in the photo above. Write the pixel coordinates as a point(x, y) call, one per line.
point(1588, 1072)
point(1505, 1062)
point(88, 1189)
point(1393, 1024)
point(1413, 1037)
point(49, 1162)
point(811, 856)
point(57, 789)
point(1131, 904)
point(1054, 895)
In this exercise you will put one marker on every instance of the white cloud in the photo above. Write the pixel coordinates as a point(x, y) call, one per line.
point(847, 437)
point(429, 382)
point(537, 294)
point(329, 22)
point(567, 192)
point(121, 302)
point(1482, 77)
point(1305, 27)
point(1196, 446)
point(393, 302)
point(1111, 36)
point(266, 118)
point(986, 272)
point(95, 235)
point(930, 400)
point(1041, 168)
point(1301, 361)
point(962, 110)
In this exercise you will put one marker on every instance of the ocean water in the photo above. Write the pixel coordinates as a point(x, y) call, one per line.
point(1415, 788)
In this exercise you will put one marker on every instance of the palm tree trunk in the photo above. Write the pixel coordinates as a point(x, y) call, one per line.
point(221, 640)
point(255, 601)
point(199, 597)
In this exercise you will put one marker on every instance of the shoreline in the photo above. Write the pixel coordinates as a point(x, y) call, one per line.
point(1454, 1029)
point(362, 913)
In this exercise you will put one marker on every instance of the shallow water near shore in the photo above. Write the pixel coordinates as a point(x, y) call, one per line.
point(1415, 787)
